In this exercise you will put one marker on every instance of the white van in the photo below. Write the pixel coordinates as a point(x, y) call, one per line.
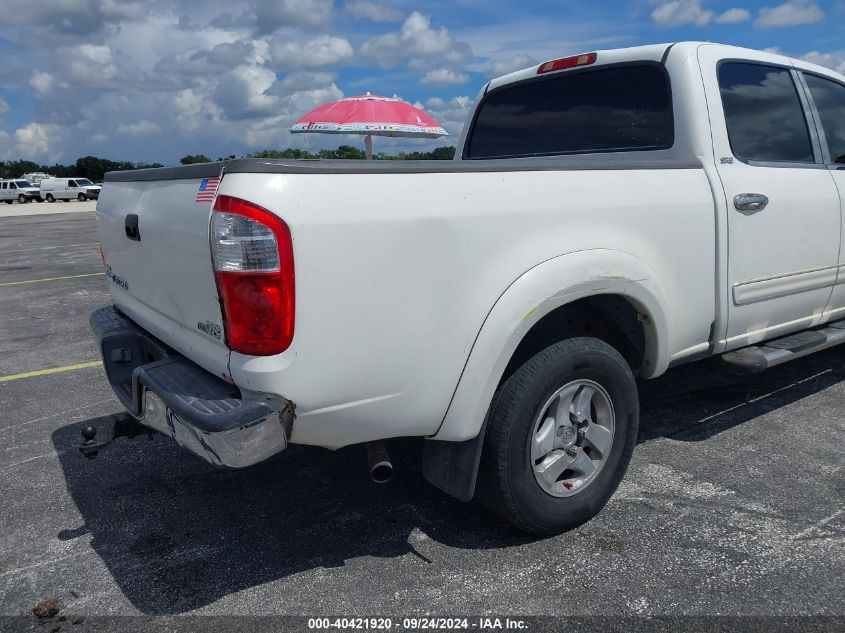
point(82, 189)
point(20, 190)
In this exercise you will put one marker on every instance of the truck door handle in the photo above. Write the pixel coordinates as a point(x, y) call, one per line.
point(750, 201)
point(131, 226)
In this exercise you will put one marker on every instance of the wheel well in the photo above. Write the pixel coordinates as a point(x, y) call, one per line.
point(610, 318)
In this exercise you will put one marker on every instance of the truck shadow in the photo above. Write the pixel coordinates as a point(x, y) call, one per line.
point(177, 534)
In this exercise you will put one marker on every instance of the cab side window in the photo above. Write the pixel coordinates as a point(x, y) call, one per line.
point(763, 113)
point(71, 183)
point(12, 185)
point(829, 98)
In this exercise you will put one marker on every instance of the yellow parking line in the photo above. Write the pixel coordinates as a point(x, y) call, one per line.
point(35, 281)
point(51, 370)
point(47, 248)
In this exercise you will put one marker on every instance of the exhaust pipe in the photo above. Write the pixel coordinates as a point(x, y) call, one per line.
point(381, 470)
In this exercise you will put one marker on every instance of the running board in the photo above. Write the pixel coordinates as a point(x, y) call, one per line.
point(749, 360)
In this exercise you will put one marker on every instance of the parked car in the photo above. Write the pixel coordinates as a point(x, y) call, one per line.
point(82, 189)
point(18, 189)
point(608, 216)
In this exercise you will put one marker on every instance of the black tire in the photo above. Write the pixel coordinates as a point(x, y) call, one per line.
point(8, 201)
point(82, 197)
point(50, 198)
point(22, 199)
point(506, 483)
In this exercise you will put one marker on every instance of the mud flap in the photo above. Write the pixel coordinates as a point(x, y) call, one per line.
point(453, 466)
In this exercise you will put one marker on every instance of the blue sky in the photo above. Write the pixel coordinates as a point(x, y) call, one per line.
point(153, 80)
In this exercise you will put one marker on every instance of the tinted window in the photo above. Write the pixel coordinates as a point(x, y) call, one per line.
point(830, 102)
point(71, 183)
point(602, 110)
point(763, 114)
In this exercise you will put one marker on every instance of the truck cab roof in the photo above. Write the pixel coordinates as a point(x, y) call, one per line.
point(660, 53)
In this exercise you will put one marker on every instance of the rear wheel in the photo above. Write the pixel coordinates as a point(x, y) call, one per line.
point(22, 199)
point(50, 197)
point(561, 430)
point(82, 197)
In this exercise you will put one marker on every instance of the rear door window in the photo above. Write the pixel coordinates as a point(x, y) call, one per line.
point(763, 114)
point(614, 109)
point(829, 98)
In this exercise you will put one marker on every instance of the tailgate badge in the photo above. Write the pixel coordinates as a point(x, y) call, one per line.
point(210, 328)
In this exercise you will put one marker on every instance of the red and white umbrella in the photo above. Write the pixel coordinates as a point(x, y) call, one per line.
point(370, 115)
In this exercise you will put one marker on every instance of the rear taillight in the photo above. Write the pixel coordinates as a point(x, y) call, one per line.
point(253, 264)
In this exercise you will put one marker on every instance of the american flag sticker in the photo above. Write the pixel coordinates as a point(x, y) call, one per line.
point(208, 187)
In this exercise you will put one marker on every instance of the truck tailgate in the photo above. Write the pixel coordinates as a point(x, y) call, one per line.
point(163, 277)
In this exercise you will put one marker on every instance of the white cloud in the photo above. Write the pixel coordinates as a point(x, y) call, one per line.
point(790, 13)
point(4, 107)
point(161, 36)
point(507, 65)
point(416, 40)
point(450, 113)
point(242, 92)
point(123, 10)
point(443, 77)
point(374, 11)
point(6, 146)
point(325, 50)
point(91, 64)
point(71, 17)
point(41, 81)
point(273, 131)
point(306, 80)
point(270, 15)
point(834, 61)
point(138, 129)
point(681, 12)
point(34, 139)
point(734, 16)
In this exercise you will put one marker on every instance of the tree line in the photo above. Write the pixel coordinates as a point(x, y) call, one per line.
point(344, 152)
point(94, 168)
point(90, 167)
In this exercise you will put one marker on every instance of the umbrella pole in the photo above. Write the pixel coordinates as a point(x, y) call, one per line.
point(368, 145)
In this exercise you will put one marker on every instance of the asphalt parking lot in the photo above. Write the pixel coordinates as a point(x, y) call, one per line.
point(734, 503)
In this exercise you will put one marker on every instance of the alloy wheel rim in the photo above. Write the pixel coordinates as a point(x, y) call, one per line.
point(572, 437)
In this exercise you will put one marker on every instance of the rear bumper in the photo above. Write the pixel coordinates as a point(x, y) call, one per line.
point(168, 393)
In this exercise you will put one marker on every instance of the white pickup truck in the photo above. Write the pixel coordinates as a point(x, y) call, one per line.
point(608, 216)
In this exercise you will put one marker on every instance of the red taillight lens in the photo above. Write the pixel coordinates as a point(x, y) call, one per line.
point(567, 62)
point(253, 262)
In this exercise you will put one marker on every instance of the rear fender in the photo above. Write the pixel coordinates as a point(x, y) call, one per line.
point(539, 291)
